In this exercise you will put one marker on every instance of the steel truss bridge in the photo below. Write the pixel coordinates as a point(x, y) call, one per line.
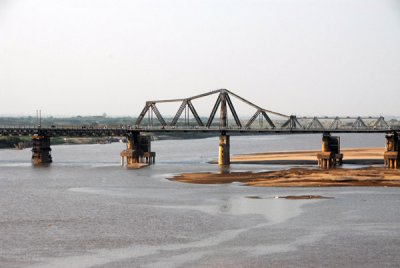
point(262, 121)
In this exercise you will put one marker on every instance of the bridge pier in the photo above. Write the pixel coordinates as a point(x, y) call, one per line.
point(330, 155)
point(224, 150)
point(41, 151)
point(391, 155)
point(138, 152)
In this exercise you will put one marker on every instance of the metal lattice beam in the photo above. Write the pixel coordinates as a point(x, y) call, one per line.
point(233, 111)
point(178, 113)
point(315, 124)
point(269, 121)
point(142, 114)
point(223, 120)
point(253, 105)
point(195, 114)
point(224, 100)
point(359, 123)
point(292, 123)
point(251, 120)
point(381, 123)
point(336, 123)
point(158, 114)
point(214, 111)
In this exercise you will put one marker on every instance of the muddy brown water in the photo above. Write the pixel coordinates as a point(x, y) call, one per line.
point(84, 210)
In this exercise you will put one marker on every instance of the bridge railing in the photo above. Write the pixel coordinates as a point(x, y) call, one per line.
point(132, 127)
point(112, 129)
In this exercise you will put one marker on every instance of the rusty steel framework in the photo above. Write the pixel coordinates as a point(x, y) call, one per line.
point(223, 101)
point(139, 152)
point(274, 122)
point(281, 123)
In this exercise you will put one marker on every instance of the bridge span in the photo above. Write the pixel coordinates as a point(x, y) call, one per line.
point(229, 122)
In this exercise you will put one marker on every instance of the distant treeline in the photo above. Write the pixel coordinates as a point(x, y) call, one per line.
point(15, 142)
point(26, 141)
point(60, 121)
point(91, 121)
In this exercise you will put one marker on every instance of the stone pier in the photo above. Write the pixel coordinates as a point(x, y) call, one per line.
point(391, 155)
point(41, 151)
point(224, 139)
point(330, 155)
point(224, 150)
point(138, 152)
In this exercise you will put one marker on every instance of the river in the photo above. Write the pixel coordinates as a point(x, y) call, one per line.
point(84, 210)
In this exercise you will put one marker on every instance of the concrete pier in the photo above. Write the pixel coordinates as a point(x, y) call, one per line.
point(138, 152)
point(330, 155)
point(391, 155)
point(41, 151)
point(224, 150)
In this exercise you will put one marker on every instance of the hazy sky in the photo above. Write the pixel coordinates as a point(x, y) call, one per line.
point(304, 57)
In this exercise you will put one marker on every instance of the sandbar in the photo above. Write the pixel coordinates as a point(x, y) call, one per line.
point(360, 156)
point(301, 177)
point(309, 176)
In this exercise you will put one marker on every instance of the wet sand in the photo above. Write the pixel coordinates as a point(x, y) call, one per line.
point(307, 176)
point(301, 177)
point(136, 165)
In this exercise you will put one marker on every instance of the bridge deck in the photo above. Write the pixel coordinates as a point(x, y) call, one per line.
point(74, 131)
point(260, 122)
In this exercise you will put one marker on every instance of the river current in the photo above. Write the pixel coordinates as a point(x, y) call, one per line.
point(84, 210)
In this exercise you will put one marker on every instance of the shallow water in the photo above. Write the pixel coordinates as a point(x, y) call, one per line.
point(86, 211)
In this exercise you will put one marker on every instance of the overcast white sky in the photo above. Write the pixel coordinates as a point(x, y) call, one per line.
point(304, 57)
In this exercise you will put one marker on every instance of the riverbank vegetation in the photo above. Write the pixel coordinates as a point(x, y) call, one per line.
point(16, 142)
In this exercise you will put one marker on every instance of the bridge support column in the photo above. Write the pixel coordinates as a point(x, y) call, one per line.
point(330, 155)
point(41, 151)
point(138, 152)
point(224, 150)
point(391, 155)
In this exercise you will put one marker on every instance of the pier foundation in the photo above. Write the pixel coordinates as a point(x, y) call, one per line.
point(41, 151)
point(330, 155)
point(138, 151)
point(391, 156)
point(224, 150)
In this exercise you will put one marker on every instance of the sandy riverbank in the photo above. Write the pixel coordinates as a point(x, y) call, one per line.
point(301, 177)
point(305, 177)
point(361, 156)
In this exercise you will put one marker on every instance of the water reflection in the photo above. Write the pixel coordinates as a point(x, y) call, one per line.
point(224, 169)
point(274, 210)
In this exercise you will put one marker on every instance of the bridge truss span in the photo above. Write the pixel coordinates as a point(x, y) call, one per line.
point(262, 120)
point(217, 119)
point(223, 119)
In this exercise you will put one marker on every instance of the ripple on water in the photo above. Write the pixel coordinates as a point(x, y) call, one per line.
point(273, 210)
